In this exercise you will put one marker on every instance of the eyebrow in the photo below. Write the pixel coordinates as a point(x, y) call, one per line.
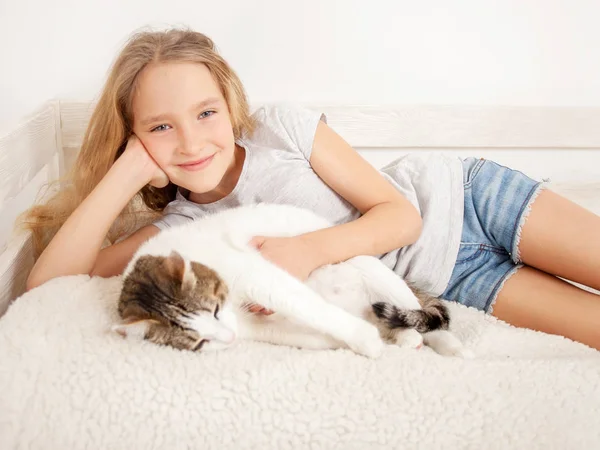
point(203, 104)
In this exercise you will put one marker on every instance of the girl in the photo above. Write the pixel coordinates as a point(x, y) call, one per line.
point(172, 134)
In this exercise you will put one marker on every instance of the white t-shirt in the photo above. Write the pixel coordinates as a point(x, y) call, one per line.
point(277, 170)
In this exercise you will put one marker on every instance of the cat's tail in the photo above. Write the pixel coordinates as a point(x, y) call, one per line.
point(434, 315)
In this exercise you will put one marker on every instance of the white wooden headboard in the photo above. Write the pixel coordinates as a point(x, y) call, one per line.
point(527, 138)
point(30, 156)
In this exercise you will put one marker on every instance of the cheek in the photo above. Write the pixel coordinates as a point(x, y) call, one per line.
point(222, 133)
point(222, 330)
point(161, 148)
point(228, 319)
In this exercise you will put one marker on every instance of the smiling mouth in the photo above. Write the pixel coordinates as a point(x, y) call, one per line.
point(199, 164)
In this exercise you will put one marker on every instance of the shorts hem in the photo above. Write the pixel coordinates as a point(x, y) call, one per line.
point(524, 215)
point(499, 285)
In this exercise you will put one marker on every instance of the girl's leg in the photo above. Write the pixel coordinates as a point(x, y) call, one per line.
point(562, 238)
point(537, 300)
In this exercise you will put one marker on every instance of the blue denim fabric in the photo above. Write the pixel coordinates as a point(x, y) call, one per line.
point(497, 200)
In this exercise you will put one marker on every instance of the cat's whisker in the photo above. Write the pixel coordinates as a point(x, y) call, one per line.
point(245, 307)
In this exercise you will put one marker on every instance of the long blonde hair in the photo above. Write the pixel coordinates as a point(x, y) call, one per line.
point(111, 125)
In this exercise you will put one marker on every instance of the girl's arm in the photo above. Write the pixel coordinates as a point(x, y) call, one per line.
point(389, 220)
point(112, 260)
point(75, 249)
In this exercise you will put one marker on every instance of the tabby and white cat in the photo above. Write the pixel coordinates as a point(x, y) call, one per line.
point(190, 287)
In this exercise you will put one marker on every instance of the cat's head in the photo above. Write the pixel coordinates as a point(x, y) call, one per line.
point(172, 301)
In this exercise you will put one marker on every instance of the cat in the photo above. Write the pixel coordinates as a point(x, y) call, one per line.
point(190, 287)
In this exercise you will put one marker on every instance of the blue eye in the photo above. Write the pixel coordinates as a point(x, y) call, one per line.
point(165, 127)
point(206, 114)
point(159, 128)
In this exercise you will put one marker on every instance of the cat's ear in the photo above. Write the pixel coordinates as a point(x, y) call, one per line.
point(175, 265)
point(180, 270)
point(221, 290)
point(134, 329)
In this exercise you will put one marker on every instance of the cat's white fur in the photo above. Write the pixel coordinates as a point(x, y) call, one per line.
point(331, 310)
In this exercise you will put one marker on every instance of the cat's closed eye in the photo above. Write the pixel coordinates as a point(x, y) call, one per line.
point(216, 312)
point(199, 345)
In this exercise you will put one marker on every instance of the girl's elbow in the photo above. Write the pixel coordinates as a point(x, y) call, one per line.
point(412, 224)
point(415, 227)
point(32, 282)
point(410, 218)
point(36, 279)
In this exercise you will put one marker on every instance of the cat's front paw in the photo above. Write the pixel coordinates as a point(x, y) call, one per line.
point(367, 341)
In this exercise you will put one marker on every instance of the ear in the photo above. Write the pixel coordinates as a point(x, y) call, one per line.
point(135, 329)
point(180, 270)
point(221, 290)
point(175, 265)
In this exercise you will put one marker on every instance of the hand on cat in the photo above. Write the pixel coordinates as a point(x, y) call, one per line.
point(292, 254)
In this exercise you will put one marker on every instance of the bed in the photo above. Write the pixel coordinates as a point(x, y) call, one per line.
point(68, 382)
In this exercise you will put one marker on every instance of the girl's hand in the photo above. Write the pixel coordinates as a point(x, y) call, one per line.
point(292, 254)
point(138, 157)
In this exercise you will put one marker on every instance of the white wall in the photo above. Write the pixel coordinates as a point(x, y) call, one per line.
point(506, 52)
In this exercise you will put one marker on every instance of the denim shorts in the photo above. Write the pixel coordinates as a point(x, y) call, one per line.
point(497, 202)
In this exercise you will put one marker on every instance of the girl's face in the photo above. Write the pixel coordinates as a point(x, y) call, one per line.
point(181, 117)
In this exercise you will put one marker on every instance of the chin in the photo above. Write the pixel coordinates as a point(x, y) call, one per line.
point(202, 183)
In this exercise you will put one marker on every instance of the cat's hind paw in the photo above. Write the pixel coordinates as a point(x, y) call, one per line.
point(409, 338)
point(445, 343)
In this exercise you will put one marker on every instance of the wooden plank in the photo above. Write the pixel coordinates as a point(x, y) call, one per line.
point(15, 264)
point(30, 155)
point(375, 126)
point(26, 150)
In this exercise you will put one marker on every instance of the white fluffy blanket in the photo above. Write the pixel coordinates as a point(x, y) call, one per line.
point(66, 382)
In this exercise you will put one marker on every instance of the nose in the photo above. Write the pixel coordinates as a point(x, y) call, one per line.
point(189, 140)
